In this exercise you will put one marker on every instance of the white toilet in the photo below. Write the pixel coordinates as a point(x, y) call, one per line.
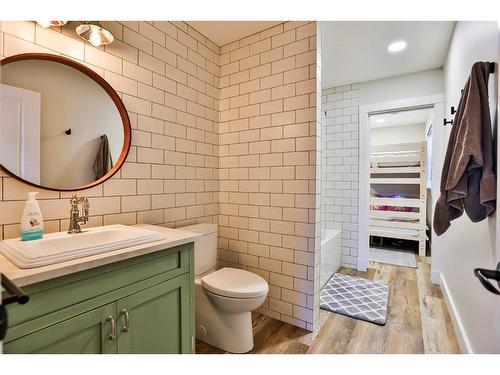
point(224, 299)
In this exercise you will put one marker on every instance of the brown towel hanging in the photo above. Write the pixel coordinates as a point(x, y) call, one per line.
point(103, 162)
point(468, 180)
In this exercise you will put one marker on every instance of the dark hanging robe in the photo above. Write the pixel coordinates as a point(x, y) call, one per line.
point(468, 180)
point(103, 162)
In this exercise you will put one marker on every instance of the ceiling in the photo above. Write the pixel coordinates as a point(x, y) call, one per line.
point(401, 118)
point(357, 51)
point(224, 32)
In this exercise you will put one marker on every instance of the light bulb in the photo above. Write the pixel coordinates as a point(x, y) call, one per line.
point(44, 23)
point(94, 38)
point(94, 34)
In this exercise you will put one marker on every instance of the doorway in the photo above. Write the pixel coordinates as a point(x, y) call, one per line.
point(398, 173)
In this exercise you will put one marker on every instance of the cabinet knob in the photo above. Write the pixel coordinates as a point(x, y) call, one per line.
point(112, 334)
point(126, 326)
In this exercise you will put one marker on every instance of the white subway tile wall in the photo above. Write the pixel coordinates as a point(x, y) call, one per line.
point(267, 174)
point(227, 135)
point(170, 176)
point(339, 165)
point(317, 211)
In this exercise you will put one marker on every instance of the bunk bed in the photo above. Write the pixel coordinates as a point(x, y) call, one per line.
point(400, 215)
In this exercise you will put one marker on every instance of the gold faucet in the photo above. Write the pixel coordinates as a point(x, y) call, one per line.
point(74, 214)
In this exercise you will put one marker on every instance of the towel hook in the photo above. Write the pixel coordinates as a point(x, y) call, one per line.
point(453, 110)
point(447, 122)
point(68, 131)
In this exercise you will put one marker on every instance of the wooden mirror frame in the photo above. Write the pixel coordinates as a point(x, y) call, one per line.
point(107, 88)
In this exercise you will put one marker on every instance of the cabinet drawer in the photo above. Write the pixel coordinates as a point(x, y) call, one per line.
point(55, 300)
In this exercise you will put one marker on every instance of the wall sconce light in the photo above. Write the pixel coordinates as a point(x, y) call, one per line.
point(45, 24)
point(91, 32)
point(95, 34)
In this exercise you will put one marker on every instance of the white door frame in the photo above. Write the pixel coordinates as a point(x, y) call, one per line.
point(27, 132)
point(431, 101)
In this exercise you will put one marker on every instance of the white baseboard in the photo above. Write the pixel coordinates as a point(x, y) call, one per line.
point(462, 337)
point(362, 264)
point(435, 277)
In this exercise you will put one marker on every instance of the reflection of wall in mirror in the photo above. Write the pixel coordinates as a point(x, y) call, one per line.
point(70, 99)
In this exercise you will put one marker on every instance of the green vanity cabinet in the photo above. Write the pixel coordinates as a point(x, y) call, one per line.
point(153, 319)
point(85, 334)
point(139, 305)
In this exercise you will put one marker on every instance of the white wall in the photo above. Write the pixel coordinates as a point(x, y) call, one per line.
point(397, 134)
point(469, 245)
point(429, 82)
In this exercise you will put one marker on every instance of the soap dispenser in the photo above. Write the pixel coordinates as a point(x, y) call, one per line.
point(31, 221)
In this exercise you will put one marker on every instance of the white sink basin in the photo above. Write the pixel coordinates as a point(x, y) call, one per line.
point(60, 247)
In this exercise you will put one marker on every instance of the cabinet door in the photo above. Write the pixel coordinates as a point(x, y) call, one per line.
point(84, 334)
point(159, 319)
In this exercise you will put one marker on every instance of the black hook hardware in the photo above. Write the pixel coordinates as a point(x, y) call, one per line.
point(16, 293)
point(68, 131)
point(453, 110)
point(483, 274)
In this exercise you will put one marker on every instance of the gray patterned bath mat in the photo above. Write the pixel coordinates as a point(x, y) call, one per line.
point(356, 297)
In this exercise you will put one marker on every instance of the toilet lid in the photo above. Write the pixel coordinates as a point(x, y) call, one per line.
point(235, 283)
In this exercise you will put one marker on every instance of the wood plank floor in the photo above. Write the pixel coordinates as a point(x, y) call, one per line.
point(417, 322)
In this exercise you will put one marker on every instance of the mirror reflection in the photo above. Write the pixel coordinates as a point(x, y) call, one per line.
point(58, 127)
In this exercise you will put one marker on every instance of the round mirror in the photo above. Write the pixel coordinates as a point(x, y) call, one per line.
point(62, 126)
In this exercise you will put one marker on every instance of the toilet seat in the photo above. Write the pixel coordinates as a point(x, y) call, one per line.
point(235, 283)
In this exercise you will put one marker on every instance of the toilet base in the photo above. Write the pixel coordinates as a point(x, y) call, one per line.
point(229, 331)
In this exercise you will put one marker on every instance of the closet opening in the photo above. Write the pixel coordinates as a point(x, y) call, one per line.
point(400, 186)
point(400, 159)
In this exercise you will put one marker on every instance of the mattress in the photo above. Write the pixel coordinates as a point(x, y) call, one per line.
point(398, 158)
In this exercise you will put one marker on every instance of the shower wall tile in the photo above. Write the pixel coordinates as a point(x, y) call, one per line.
point(267, 199)
point(339, 163)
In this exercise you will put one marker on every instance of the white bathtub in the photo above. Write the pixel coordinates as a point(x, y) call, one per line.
point(330, 254)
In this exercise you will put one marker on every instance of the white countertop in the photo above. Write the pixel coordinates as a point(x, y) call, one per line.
point(22, 277)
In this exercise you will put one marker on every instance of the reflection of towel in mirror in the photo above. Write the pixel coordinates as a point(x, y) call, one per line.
point(103, 162)
point(468, 180)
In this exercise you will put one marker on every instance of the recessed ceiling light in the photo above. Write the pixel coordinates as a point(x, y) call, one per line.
point(398, 46)
point(380, 120)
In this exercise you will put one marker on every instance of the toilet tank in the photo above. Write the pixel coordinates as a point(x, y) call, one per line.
point(205, 247)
